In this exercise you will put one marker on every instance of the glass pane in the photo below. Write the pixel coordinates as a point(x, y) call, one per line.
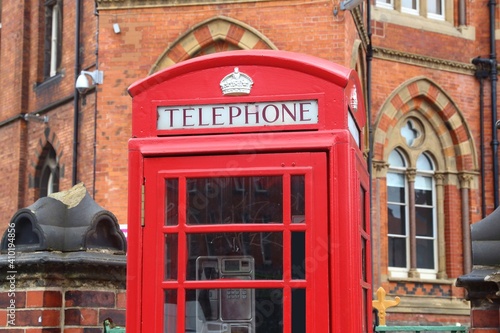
point(170, 315)
point(258, 255)
point(268, 310)
point(298, 311)
point(363, 259)
point(423, 191)
point(396, 218)
point(297, 199)
point(171, 256)
point(224, 200)
point(425, 253)
point(425, 222)
point(397, 252)
point(362, 195)
point(395, 194)
point(396, 160)
point(424, 163)
point(298, 255)
point(435, 7)
point(364, 320)
point(410, 132)
point(412, 4)
point(423, 182)
point(171, 201)
point(423, 197)
point(236, 310)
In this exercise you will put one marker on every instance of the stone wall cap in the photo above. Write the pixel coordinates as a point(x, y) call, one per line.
point(65, 221)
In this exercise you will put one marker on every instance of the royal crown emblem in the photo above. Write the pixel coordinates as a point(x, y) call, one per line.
point(236, 83)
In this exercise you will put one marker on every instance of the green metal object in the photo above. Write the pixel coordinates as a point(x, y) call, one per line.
point(110, 327)
point(418, 329)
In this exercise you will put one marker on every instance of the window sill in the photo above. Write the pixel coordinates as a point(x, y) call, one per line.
point(48, 82)
point(433, 281)
point(421, 23)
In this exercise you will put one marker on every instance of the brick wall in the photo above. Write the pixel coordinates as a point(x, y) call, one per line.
point(63, 297)
point(57, 310)
point(486, 319)
point(24, 91)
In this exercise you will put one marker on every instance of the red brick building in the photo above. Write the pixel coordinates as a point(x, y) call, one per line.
point(432, 118)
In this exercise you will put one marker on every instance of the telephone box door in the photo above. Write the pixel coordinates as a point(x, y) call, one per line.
point(236, 244)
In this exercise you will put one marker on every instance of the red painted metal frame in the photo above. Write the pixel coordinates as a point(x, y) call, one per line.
point(313, 165)
point(278, 76)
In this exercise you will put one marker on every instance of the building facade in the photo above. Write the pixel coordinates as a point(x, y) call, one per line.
point(429, 74)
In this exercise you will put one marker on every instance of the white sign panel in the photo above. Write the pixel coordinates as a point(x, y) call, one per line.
point(238, 115)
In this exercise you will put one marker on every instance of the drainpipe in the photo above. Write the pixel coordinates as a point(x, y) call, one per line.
point(77, 95)
point(482, 72)
point(485, 66)
point(369, 58)
point(493, 78)
point(461, 13)
point(94, 172)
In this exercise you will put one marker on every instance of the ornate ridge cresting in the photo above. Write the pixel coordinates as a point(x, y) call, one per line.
point(424, 61)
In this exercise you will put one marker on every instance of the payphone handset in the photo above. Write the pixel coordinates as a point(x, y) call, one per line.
point(225, 310)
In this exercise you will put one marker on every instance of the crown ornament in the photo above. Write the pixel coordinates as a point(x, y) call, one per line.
point(236, 83)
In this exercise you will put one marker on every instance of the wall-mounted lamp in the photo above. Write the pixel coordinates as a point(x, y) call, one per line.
point(82, 83)
point(116, 28)
point(350, 4)
point(36, 117)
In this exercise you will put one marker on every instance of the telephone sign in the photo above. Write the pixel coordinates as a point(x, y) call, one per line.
point(238, 115)
point(248, 198)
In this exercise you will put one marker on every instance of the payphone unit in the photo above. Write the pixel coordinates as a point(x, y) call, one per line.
point(225, 310)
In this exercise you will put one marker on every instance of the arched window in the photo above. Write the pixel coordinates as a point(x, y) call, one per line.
point(48, 181)
point(423, 175)
point(411, 206)
point(52, 38)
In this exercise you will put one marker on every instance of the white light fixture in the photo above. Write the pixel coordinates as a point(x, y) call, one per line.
point(116, 28)
point(350, 4)
point(82, 83)
point(36, 117)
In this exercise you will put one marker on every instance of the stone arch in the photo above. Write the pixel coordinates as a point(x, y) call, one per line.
point(227, 32)
point(425, 97)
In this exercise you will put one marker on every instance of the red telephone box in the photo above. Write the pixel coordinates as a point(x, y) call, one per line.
point(248, 198)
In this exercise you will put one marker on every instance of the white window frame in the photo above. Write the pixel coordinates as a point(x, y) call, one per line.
point(420, 10)
point(412, 11)
point(427, 273)
point(54, 40)
point(402, 272)
point(434, 16)
point(52, 36)
point(384, 4)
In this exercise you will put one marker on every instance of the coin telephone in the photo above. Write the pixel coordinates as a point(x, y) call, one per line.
point(225, 310)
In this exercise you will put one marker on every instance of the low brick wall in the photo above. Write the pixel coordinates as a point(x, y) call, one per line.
point(60, 293)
